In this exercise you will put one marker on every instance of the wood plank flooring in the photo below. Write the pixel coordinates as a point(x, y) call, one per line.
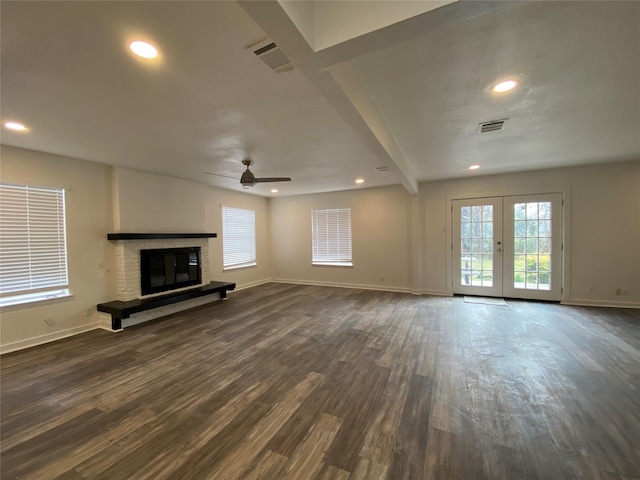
point(298, 382)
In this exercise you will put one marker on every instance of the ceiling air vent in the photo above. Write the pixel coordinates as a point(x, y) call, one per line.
point(382, 169)
point(492, 126)
point(271, 54)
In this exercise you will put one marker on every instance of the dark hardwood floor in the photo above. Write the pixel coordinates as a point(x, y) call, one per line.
point(297, 382)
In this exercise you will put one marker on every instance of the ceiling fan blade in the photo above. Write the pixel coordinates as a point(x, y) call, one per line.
point(273, 179)
point(218, 175)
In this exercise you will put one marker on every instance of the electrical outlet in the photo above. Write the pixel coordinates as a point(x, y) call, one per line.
point(89, 312)
point(625, 292)
point(381, 279)
point(618, 292)
point(589, 289)
point(50, 321)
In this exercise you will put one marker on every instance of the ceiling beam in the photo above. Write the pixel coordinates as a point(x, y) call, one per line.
point(326, 24)
point(351, 100)
point(355, 88)
point(294, 27)
point(409, 28)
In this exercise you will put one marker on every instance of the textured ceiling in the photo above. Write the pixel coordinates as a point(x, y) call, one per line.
point(408, 96)
point(578, 64)
point(206, 104)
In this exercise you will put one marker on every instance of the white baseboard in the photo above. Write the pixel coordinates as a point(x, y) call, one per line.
point(250, 285)
point(437, 293)
point(109, 329)
point(381, 288)
point(583, 302)
point(49, 337)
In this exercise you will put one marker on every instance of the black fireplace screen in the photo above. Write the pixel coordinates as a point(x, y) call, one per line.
point(169, 268)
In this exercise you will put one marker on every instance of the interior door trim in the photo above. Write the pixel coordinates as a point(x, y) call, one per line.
point(560, 186)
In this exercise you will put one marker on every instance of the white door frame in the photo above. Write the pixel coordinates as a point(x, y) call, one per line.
point(566, 228)
point(496, 254)
point(509, 290)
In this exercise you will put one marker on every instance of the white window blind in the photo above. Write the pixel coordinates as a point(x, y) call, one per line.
point(238, 237)
point(33, 256)
point(331, 236)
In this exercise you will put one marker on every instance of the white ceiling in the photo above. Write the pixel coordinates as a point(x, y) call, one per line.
point(408, 96)
point(207, 104)
point(578, 64)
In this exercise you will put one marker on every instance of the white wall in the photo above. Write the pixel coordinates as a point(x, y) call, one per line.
point(602, 226)
point(602, 232)
point(102, 199)
point(381, 236)
point(243, 277)
point(150, 203)
point(88, 218)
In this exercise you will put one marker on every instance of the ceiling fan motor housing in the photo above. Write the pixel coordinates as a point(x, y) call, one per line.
point(248, 178)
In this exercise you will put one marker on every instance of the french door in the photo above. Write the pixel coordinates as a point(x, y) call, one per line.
point(508, 246)
point(477, 248)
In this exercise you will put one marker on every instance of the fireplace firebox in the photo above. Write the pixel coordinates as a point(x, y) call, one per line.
point(166, 269)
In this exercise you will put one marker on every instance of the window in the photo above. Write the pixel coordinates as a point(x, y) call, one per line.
point(331, 236)
point(238, 238)
point(33, 254)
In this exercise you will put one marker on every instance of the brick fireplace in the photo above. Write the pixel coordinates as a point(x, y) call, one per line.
point(128, 279)
point(128, 262)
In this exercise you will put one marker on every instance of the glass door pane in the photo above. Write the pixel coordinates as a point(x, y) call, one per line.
point(477, 246)
point(533, 246)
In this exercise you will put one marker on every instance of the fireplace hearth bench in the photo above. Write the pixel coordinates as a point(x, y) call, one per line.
point(120, 310)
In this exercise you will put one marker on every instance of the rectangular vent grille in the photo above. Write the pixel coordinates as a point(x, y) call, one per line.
point(382, 169)
point(272, 55)
point(492, 126)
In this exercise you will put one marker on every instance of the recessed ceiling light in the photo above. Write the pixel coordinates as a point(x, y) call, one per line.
point(474, 167)
point(274, 190)
point(143, 49)
point(359, 180)
point(18, 127)
point(505, 86)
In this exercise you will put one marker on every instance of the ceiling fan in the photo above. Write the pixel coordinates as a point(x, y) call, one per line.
point(248, 179)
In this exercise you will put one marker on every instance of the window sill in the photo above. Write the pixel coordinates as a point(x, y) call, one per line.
point(333, 264)
point(29, 299)
point(237, 267)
